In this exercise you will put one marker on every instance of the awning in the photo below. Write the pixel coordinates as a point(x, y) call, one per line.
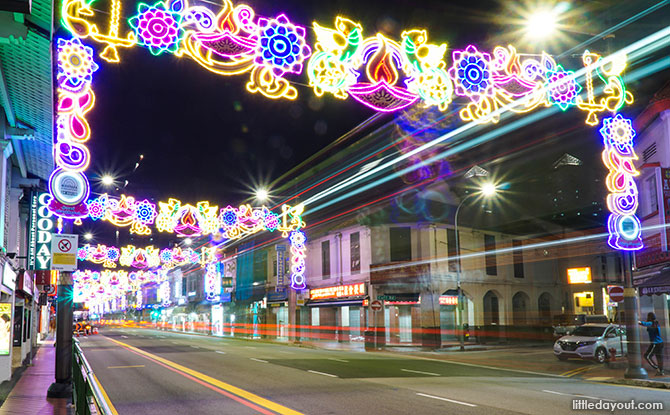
point(658, 284)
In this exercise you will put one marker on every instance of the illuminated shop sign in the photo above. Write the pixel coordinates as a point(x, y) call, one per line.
point(579, 275)
point(337, 291)
point(448, 300)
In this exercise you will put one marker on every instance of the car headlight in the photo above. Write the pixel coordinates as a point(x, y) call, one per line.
point(587, 343)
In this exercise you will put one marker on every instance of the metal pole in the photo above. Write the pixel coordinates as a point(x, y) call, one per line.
point(635, 369)
point(459, 305)
point(62, 387)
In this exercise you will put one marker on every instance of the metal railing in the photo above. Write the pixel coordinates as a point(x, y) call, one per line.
point(87, 395)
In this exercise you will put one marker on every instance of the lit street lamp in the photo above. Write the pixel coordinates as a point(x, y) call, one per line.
point(262, 195)
point(487, 190)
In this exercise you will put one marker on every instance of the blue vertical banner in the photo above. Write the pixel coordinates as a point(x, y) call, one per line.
point(281, 267)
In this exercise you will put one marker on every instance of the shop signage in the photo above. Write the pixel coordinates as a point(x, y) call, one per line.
point(226, 297)
point(42, 223)
point(8, 277)
point(338, 291)
point(579, 275)
point(25, 281)
point(277, 296)
point(64, 252)
point(448, 300)
point(5, 328)
point(403, 298)
point(281, 268)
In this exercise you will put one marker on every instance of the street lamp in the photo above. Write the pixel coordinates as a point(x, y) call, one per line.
point(541, 24)
point(188, 241)
point(88, 236)
point(107, 180)
point(487, 190)
point(262, 195)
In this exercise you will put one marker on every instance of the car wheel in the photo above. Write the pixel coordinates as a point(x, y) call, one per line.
point(563, 358)
point(601, 355)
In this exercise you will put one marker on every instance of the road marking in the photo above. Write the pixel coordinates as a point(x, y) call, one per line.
point(195, 347)
point(577, 371)
point(448, 400)
point(322, 373)
point(105, 396)
point(454, 362)
point(338, 360)
point(285, 352)
point(250, 347)
point(174, 342)
point(219, 351)
point(258, 360)
point(418, 371)
point(123, 367)
point(598, 378)
point(125, 337)
point(239, 395)
point(577, 395)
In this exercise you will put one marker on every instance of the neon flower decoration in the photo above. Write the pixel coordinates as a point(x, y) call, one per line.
point(164, 293)
point(282, 45)
point(212, 283)
point(298, 255)
point(625, 231)
point(471, 73)
point(396, 75)
point(562, 88)
point(75, 64)
point(101, 254)
point(157, 28)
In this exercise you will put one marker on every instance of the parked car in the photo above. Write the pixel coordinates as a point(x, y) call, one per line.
point(598, 342)
point(564, 324)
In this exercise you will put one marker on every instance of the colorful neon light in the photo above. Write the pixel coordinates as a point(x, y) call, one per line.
point(123, 212)
point(625, 231)
point(298, 255)
point(157, 28)
point(338, 291)
point(212, 283)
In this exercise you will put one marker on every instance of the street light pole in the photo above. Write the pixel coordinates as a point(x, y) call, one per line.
point(459, 304)
point(635, 369)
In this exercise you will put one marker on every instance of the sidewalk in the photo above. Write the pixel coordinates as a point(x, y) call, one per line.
point(29, 395)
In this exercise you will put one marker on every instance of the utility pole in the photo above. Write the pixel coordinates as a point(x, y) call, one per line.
point(635, 369)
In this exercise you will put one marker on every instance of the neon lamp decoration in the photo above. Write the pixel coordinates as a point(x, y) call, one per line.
point(378, 72)
point(625, 232)
point(123, 212)
point(212, 283)
point(140, 258)
point(68, 185)
point(298, 255)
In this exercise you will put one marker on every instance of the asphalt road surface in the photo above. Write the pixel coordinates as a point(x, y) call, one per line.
point(147, 371)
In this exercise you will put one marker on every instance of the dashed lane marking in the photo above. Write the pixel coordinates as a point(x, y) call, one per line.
point(322, 373)
point(123, 367)
point(446, 399)
point(219, 351)
point(420, 372)
point(258, 360)
point(338, 360)
point(577, 395)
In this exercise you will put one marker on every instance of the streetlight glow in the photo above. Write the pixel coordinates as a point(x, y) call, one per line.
point(107, 180)
point(88, 236)
point(489, 189)
point(188, 241)
point(262, 195)
point(541, 24)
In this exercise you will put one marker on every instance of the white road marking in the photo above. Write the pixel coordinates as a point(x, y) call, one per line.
point(338, 360)
point(454, 362)
point(423, 373)
point(195, 347)
point(124, 367)
point(174, 342)
point(285, 352)
point(258, 360)
point(219, 351)
point(250, 347)
point(447, 400)
point(322, 373)
point(125, 337)
point(577, 395)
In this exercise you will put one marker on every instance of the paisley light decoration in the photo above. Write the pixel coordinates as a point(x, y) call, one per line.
point(164, 293)
point(298, 255)
point(396, 75)
point(625, 231)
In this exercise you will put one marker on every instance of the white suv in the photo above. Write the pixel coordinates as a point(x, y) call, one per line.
point(592, 341)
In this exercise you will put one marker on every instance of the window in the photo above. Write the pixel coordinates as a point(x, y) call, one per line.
point(325, 259)
point(355, 252)
point(490, 247)
point(401, 247)
point(184, 286)
point(518, 258)
point(652, 205)
point(452, 251)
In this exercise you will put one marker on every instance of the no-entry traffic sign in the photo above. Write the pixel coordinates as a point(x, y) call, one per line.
point(616, 293)
point(376, 305)
point(64, 252)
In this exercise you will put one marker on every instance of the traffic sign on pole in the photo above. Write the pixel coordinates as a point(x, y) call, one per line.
point(376, 305)
point(616, 293)
point(64, 252)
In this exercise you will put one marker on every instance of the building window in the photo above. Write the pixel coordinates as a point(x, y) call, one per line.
point(490, 246)
point(401, 247)
point(452, 250)
point(325, 259)
point(653, 197)
point(184, 286)
point(518, 258)
point(355, 252)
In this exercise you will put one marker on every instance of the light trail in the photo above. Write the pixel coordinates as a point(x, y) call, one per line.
point(638, 49)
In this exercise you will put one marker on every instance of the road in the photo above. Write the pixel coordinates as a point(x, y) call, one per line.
point(146, 371)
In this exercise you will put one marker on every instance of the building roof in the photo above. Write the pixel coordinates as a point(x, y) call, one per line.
point(26, 66)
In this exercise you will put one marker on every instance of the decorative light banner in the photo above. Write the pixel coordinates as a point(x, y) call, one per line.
point(95, 288)
point(123, 212)
point(625, 231)
point(147, 257)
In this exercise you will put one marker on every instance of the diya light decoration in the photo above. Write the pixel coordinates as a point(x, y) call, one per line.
point(123, 212)
point(378, 72)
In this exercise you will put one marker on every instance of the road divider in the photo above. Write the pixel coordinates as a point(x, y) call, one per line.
point(240, 395)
